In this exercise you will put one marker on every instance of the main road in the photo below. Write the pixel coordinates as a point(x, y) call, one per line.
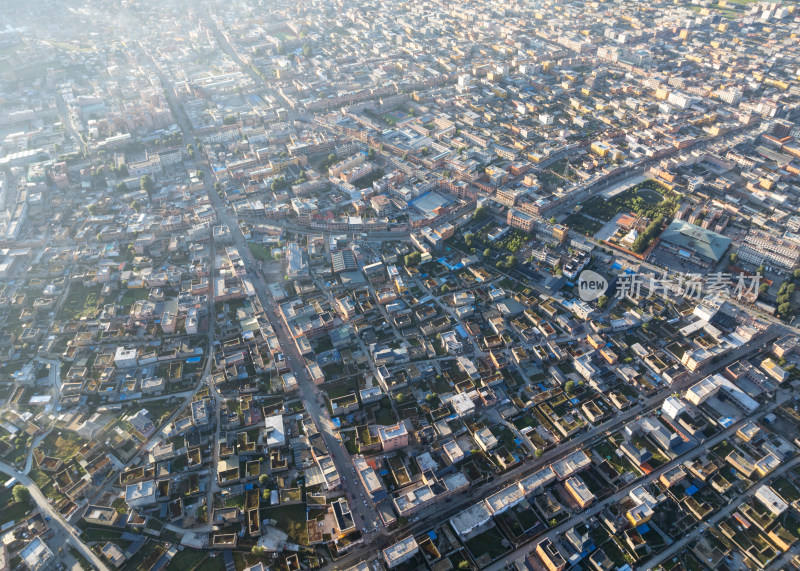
point(700, 450)
point(322, 421)
point(437, 514)
point(364, 513)
point(319, 415)
point(718, 516)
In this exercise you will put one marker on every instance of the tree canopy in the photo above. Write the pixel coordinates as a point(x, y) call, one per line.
point(413, 259)
point(20, 493)
point(147, 183)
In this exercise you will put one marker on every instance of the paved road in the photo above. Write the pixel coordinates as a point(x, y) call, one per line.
point(63, 111)
point(722, 514)
point(437, 514)
point(188, 395)
point(59, 526)
point(319, 414)
point(363, 513)
point(784, 560)
point(553, 533)
point(205, 378)
point(322, 422)
point(658, 270)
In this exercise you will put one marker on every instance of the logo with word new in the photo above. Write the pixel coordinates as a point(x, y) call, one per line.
point(591, 285)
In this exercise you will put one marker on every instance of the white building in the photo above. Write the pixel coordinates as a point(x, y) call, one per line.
point(37, 556)
point(125, 358)
point(400, 552)
point(274, 432)
point(141, 494)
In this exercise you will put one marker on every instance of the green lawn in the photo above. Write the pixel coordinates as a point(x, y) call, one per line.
point(385, 415)
point(11, 49)
point(291, 519)
point(147, 556)
point(339, 389)
point(640, 199)
point(214, 562)
point(82, 301)
point(159, 410)
point(131, 296)
point(235, 501)
point(45, 484)
point(100, 534)
point(487, 542)
point(64, 446)
point(581, 224)
point(260, 252)
point(15, 511)
point(186, 560)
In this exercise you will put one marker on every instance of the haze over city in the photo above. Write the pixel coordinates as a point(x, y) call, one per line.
point(398, 286)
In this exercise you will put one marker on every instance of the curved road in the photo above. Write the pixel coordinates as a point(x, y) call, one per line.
point(56, 521)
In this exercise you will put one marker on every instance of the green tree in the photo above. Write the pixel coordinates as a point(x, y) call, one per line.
point(258, 550)
point(648, 235)
point(217, 186)
point(569, 386)
point(733, 257)
point(763, 288)
point(602, 301)
point(480, 212)
point(307, 50)
point(487, 252)
point(469, 238)
point(278, 183)
point(121, 187)
point(20, 493)
point(412, 259)
point(263, 479)
point(760, 270)
point(796, 274)
point(147, 184)
point(553, 220)
point(785, 309)
point(136, 205)
point(200, 174)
